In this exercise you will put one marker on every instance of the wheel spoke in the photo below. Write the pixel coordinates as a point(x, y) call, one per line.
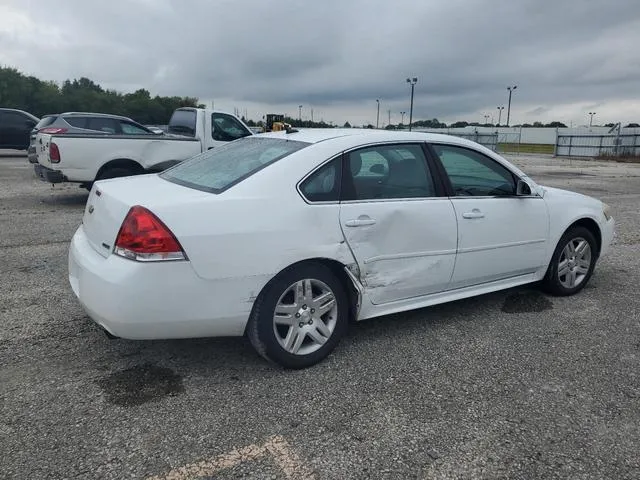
point(571, 278)
point(583, 262)
point(322, 328)
point(324, 303)
point(308, 292)
point(298, 343)
point(582, 270)
point(294, 339)
point(284, 309)
point(563, 268)
point(287, 320)
point(582, 248)
point(299, 293)
point(317, 336)
point(568, 250)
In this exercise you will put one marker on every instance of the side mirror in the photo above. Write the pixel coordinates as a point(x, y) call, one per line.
point(523, 188)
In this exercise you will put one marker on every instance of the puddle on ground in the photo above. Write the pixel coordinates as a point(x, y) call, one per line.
point(141, 384)
point(525, 302)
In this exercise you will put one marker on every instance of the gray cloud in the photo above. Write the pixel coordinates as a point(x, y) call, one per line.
point(339, 56)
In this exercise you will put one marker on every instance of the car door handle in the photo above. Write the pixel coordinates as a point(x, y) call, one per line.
point(361, 221)
point(475, 213)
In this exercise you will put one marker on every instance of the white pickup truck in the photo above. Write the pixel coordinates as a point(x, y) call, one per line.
point(85, 158)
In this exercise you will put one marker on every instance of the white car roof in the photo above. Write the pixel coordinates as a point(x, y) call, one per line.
point(364, 135)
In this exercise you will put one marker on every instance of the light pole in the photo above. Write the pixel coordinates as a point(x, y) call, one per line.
point(511, 89)
point(591, 114)
point(500, 114)
point(378, 115)
point(389, 112)
point(403, 114)
point(412, 82)
point(300, 112)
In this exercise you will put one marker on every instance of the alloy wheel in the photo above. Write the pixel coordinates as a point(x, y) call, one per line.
point(574, 263)
point(305, 316)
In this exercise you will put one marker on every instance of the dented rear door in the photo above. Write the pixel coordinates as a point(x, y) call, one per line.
point(406, 246)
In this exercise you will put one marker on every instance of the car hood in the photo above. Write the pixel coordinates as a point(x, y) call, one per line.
point(559, 193)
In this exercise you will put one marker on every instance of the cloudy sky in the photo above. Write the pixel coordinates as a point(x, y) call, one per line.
point(567, 57)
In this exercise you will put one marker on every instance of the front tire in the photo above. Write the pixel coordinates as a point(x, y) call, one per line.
point(572, 263)
point(300, 316)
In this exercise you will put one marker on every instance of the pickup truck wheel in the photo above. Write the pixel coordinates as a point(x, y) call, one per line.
point(115, 172)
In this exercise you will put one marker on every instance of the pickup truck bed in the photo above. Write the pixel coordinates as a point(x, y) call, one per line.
point(86, 158)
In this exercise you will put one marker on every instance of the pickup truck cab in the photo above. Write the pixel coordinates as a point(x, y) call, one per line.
point(85, 158)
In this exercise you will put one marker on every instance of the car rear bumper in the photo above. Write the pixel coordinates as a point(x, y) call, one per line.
point(48, 175)
point(144, 301)
point(32, 154)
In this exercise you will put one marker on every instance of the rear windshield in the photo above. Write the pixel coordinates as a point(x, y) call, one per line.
point(222, 167)
point(183, 122)
point(45, 121)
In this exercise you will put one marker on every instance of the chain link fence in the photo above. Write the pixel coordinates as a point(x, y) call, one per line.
point(587, 145)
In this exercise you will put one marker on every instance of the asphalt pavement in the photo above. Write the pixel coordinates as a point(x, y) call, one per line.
point(514, 384)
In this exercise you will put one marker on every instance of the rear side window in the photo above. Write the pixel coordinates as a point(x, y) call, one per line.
point(324, 184)
point(132, 129)
point(45, 122)
point(387, 172)
point(222, 167)
point(183, 122)
point(78, 122)
point(106, 125)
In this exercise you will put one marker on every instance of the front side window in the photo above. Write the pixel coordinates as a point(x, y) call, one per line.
point(226, 128)
point(17, 120)
point(387, 172)
point(474, 174)
point(222, 167)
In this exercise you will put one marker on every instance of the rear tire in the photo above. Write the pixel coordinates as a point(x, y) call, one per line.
point(115, 173)
point(299, 317)
point(572, 263)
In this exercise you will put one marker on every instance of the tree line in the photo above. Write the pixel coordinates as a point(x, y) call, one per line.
point(39, 98)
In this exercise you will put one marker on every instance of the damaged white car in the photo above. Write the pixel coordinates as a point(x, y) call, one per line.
point(285, 237)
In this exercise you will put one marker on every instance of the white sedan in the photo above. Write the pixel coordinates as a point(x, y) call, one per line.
point(284, 237)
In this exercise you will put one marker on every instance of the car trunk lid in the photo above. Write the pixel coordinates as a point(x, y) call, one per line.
point(110, 200)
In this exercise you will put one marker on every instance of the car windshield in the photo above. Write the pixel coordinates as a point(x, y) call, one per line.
point(222, 167)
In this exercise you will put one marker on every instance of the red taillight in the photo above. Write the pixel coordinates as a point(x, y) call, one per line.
point(54, 153)
point(52, 130)
point(145, 238)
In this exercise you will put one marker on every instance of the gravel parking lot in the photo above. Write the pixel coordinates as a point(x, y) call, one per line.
point(509, 385)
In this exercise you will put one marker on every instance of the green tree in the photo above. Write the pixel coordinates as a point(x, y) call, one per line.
point(43, 97)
